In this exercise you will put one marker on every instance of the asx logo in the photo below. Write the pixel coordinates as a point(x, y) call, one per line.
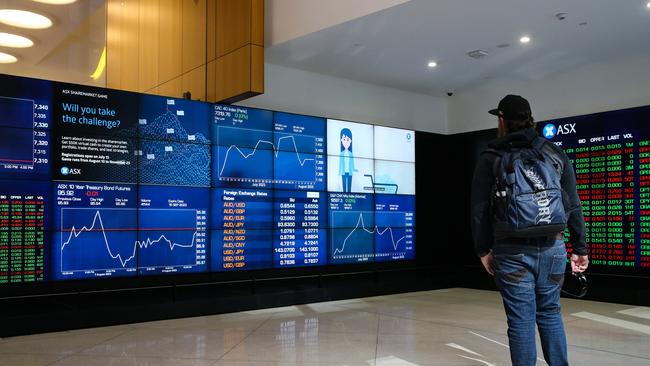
point(67, 171)
point(550, 130)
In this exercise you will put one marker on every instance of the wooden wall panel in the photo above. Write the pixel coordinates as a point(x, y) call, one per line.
point(113, 39)
point(172, 88)
point(257, 22)
point(233, 25)
point(194, 34)
point(211, 29)
point(211, 81)
point(129, 45)
point(194, 82)
point(257, 69)
point(212, 48)
point(171, 36)
point(233, 74)
point(148, 44)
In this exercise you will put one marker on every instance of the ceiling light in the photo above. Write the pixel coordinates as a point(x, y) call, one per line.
point(56, 2)
point(15, 41)
point(24, 19)
point(101, 65)
point(524, 39)
point(648, 4)
point(6, 58)
point(432, 64)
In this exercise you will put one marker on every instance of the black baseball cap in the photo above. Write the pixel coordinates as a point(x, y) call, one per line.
point(512, 107)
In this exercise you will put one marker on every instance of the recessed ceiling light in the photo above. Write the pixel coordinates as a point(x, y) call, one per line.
point(432, 64)
point(6, 58)
point(13, 40)
point(56, 2)
point(24, 19)
point(524, 39)
point(648, 4)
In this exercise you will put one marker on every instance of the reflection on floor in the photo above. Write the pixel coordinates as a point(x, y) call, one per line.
point(443, 327)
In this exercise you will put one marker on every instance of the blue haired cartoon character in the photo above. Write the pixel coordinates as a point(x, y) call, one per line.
point(346, 160)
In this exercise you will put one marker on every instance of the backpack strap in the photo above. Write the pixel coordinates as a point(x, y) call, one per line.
point(538, 143)
point(543, 146)
point(497, 160)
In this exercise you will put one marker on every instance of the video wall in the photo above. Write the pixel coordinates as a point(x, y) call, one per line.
point(610, 152)
point(104, 183)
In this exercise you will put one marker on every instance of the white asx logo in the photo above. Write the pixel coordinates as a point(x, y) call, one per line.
point(550, 130)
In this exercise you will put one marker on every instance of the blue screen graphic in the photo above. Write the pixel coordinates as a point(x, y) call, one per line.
point(171, 119)
point(395, 222)
point(118, 184)
point(174, 163)
point(352, 228)
point(96, 227)
point(172, 225)
point(300, 151)
point(242, 224)
point(25, 122)
point(300, 234)
point(256, 148)
point(94, 135)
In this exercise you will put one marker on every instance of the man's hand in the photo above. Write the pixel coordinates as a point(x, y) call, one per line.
point(488, 263)
point(579, 263)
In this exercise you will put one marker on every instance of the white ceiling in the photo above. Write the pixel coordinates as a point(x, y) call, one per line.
point(289, 19)
point(69, 50)
point(392, 47)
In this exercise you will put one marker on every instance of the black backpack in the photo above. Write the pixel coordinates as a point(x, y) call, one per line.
point(527, 197)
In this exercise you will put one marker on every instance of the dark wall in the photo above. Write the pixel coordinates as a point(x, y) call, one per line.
point(464, 153)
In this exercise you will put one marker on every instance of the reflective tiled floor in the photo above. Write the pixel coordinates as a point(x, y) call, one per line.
point(443, 327)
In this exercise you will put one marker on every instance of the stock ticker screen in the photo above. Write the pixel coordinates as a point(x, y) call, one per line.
point(610, 152)
point(100, 183)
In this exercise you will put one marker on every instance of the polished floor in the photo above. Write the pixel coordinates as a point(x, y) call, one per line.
point(442, 327)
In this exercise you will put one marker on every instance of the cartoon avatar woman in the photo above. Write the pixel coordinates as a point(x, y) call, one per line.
point(346, 160)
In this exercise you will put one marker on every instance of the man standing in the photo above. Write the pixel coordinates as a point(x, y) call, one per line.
point(529, 271)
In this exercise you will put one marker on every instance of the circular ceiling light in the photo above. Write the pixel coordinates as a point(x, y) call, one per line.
point(6, 58)
point(648, 4)
point(24, 19)
point(56, 2)
point(524, 39)
point(15, 41)
point(432, 64)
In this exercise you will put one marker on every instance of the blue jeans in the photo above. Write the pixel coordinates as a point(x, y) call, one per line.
point(529, 274)
point(347, 182)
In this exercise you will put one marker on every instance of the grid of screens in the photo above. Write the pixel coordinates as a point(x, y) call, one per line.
point(104, 183)
point(610, 152)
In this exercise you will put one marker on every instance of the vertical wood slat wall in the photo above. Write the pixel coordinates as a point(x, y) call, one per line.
point(211, 48)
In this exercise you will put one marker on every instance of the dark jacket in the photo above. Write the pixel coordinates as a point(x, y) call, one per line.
point(482, 189)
